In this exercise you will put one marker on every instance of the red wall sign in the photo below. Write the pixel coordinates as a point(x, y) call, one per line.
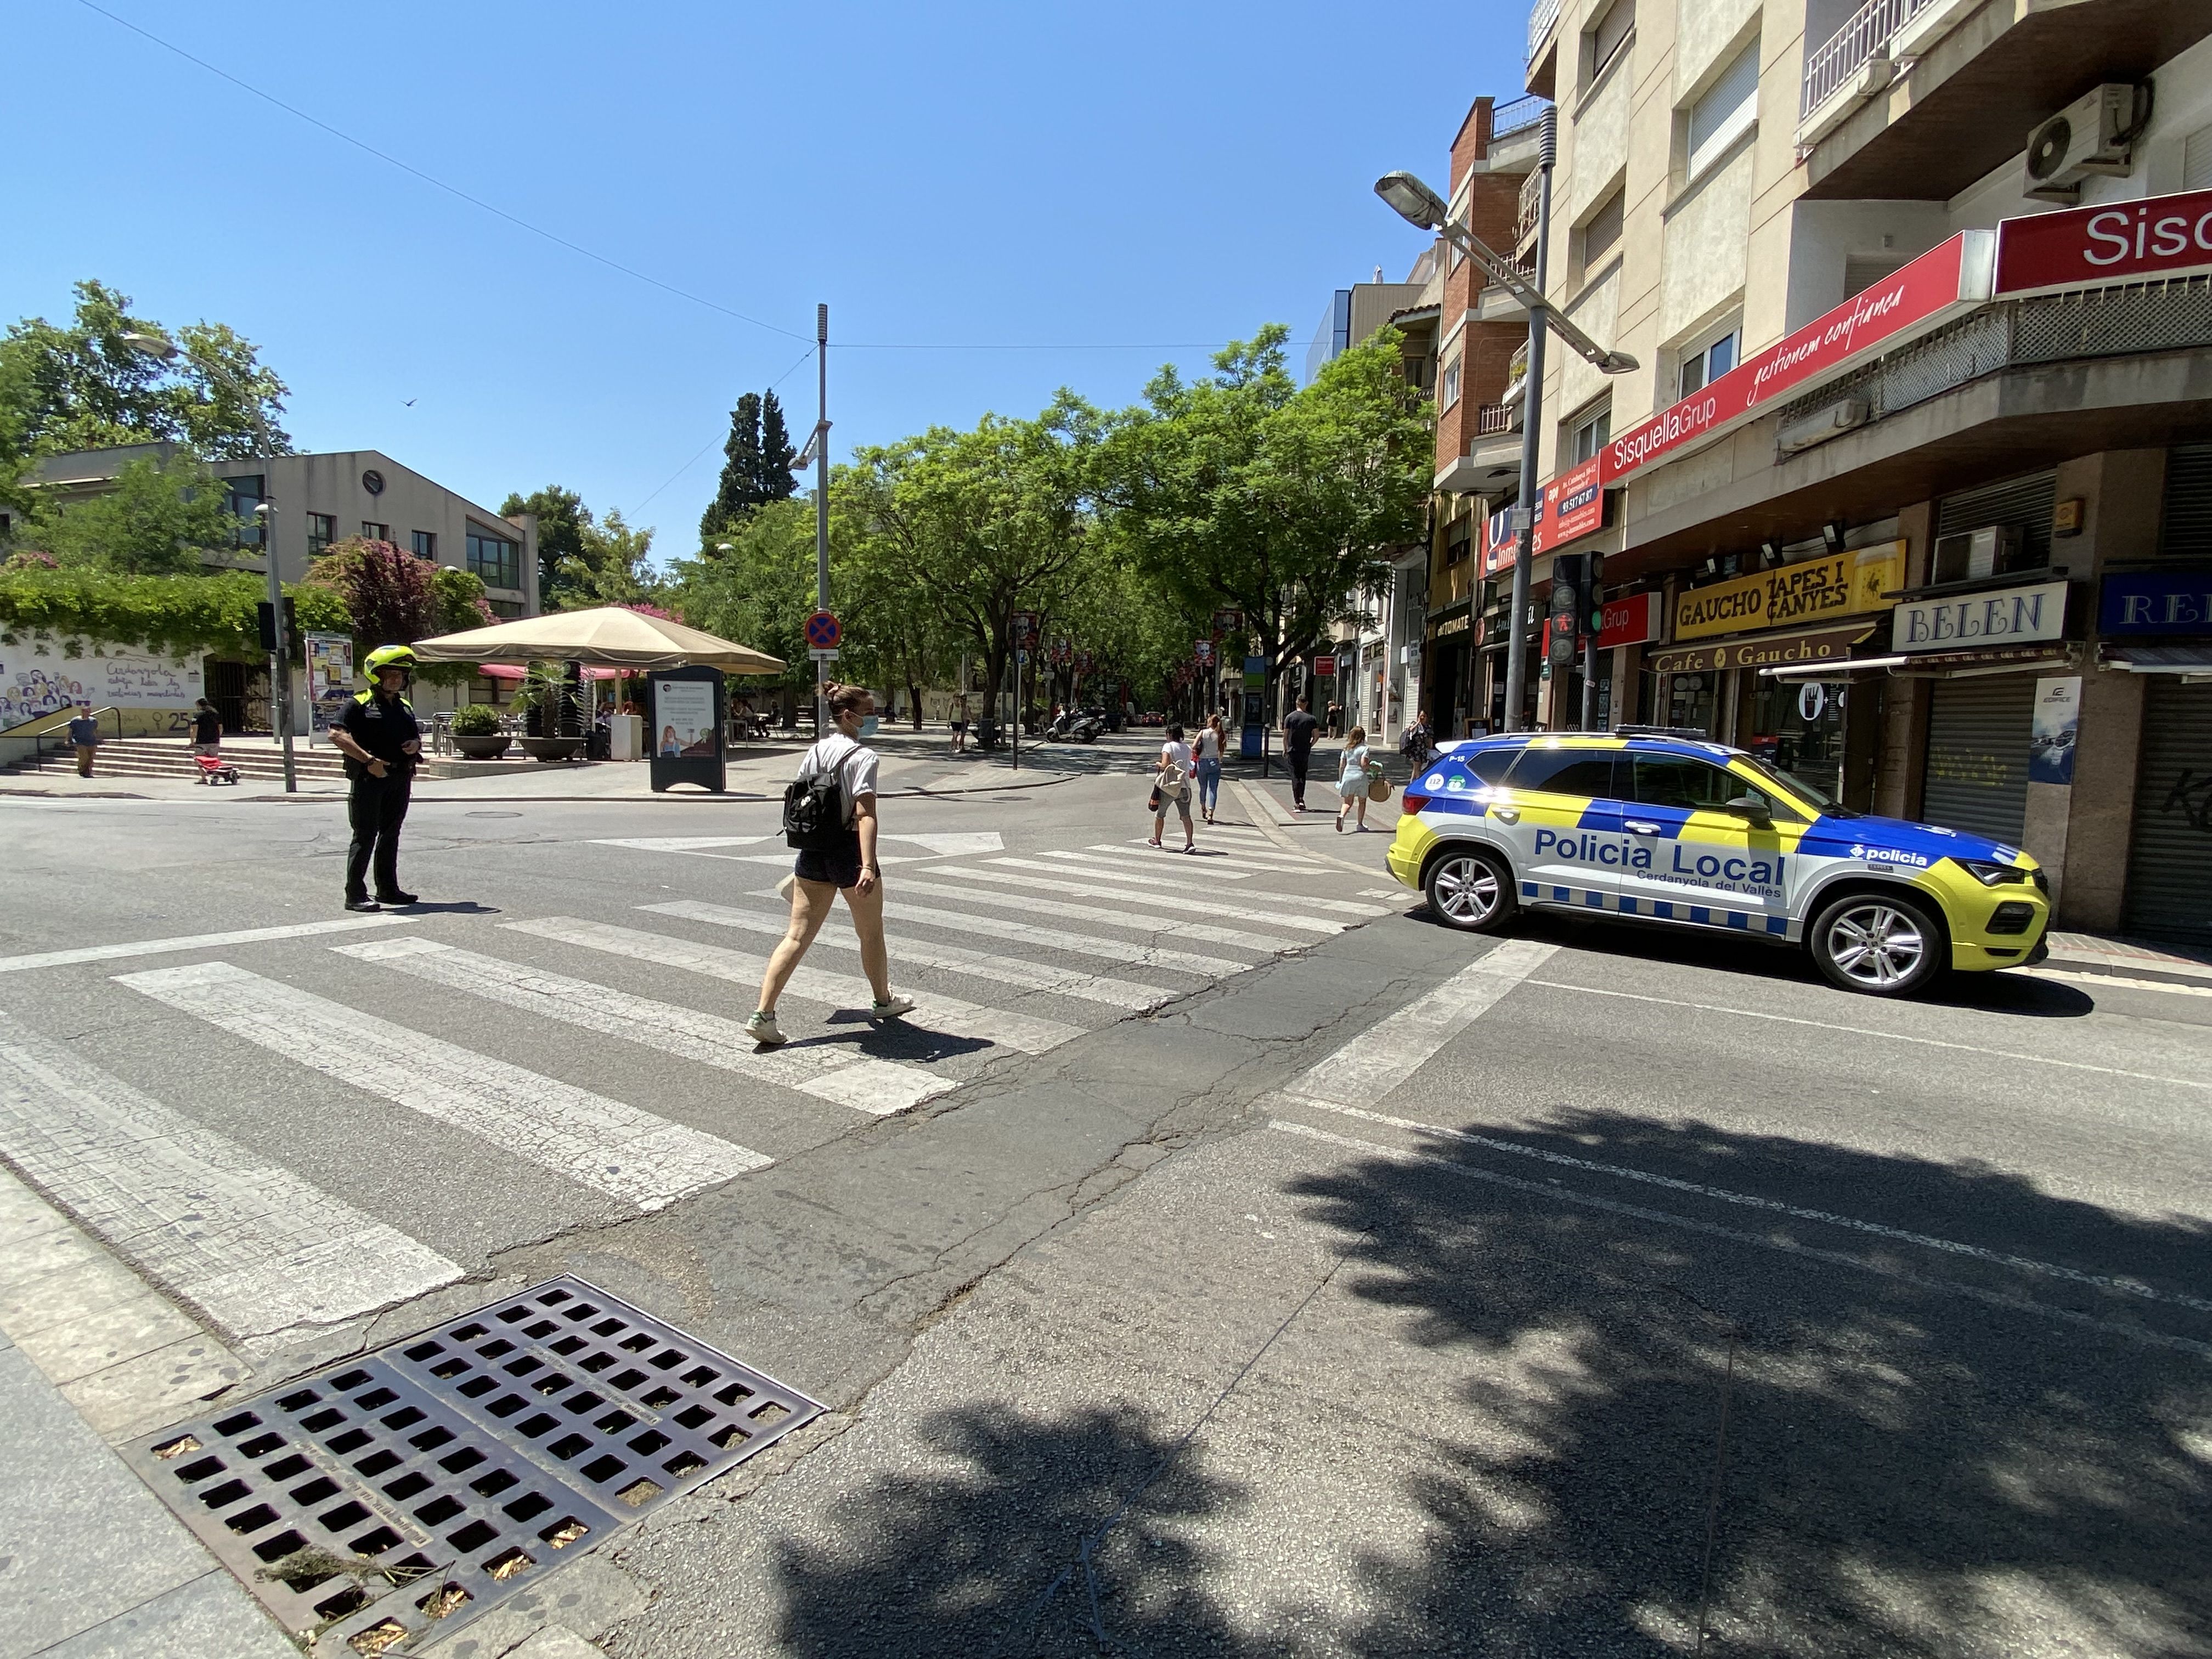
point(1499, 543)
point(1630, 621)
point(1570, 506)
point(1325, 668)
point(2079, 248)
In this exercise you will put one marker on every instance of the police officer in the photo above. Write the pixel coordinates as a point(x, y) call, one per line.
point(382, 746)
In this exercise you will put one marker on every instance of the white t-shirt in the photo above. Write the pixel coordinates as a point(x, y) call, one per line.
point(1177, 755)
point(855, 765)
point(1209, 744)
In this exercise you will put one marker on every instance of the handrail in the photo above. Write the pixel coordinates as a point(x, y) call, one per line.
point(50, 724)
point(1519, 116)
point(1540, 19)
point(1861, 38)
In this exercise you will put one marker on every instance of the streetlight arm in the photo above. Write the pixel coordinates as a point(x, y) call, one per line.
point(1508, 277)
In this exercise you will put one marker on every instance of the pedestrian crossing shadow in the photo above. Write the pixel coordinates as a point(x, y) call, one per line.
point(455, 907)
point(893, 1039)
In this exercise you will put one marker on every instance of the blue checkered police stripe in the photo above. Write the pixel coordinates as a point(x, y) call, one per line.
point(1700, 916)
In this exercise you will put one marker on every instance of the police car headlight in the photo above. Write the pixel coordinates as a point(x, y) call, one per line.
point(1990, 874)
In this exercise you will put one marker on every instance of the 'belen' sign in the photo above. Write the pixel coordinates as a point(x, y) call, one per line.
point(2084, 246)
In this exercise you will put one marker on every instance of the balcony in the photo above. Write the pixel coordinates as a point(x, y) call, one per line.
point(1521, 115)
point(1490, 419)
point(1541, 17)
point(1916, 99)
point(1543, 48)
point(1524, 222)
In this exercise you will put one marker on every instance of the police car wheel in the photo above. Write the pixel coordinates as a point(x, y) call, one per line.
point(1470, 891)
point(1877, 944)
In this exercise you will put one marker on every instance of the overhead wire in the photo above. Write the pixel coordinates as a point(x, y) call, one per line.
point(710, 442)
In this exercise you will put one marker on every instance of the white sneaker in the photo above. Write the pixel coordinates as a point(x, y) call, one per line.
point(891, 1009)
point(762, 1028)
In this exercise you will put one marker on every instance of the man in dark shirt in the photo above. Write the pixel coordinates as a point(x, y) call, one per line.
point(206, 729)
point(84, 735)
point(381, 744)
point(1298, 729)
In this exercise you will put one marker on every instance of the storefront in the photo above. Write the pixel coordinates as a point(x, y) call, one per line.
point(1719, 689)
point(2157, 623)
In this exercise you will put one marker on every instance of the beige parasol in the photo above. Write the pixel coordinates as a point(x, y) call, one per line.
point(612, 637)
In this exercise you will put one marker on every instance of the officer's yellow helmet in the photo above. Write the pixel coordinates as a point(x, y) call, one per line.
point(390, 656)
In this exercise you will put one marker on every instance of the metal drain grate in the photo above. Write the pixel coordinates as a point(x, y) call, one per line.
point(402, 1494)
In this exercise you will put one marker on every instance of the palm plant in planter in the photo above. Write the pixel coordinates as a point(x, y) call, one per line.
point(544, 698)
point(476, 731)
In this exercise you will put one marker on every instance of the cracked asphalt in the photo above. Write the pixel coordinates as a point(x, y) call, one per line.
point(1675, 1289)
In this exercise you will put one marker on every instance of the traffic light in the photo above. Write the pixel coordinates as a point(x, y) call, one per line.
point(1568, 578)
point(264, 616)
point(1593, 596)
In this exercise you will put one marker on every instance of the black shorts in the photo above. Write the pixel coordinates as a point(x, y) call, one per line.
point(839, 865)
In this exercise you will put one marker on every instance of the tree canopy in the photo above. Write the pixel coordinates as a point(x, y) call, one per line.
point(755, 468)
point(584, 560)
point(154, 520)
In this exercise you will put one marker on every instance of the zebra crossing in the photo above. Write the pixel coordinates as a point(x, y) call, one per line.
point(426, 1040)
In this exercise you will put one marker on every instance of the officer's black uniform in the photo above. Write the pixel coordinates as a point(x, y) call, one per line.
point(382, 725)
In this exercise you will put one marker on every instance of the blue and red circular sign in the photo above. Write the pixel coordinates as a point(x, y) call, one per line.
point(823, 631)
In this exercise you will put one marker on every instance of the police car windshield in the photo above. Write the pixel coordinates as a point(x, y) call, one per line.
point(1795, 786)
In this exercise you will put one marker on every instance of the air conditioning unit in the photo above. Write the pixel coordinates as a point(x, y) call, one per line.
point(2094, 135)
point(1971, 554)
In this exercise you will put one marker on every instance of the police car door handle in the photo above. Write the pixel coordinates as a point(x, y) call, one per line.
point(1506, 814)
point(1642, 827)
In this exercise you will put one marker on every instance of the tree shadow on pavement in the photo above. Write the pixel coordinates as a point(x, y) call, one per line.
point(1927, 1451)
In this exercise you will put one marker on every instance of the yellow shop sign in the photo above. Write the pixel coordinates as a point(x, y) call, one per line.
point(1809, 591)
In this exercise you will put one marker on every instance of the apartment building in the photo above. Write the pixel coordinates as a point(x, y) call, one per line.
point(1910, 488)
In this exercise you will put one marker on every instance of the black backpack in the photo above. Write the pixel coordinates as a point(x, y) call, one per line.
point(814, 812)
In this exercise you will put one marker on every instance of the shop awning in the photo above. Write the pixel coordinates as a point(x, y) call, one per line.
point(1828, 670)
point(2189, 659)
point(1822, 648)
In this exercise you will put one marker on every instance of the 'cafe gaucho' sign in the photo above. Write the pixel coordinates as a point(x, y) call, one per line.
point(1809, 591)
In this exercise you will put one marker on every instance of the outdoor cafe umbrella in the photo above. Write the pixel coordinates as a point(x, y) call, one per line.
point(612, 637)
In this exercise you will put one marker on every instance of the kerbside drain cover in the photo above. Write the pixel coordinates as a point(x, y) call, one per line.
point(384, 1502)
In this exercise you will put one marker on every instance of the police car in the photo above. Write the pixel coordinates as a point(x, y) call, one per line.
point(1661, 826)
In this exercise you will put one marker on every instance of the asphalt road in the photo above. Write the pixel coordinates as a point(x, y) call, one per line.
point(1225, 1258)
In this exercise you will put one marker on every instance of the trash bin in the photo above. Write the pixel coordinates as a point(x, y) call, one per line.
point(625, 737)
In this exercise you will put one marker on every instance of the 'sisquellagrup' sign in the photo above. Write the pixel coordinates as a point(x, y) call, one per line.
point(2084, 246)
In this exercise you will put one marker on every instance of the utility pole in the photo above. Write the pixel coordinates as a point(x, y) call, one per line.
point(822, 508)
point(1532, 418)
point(280, 656)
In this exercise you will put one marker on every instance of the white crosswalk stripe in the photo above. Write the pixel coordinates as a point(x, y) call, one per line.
point(837, 934)
point(1095, 867)
point(828, 1072)
point(1248, 863)
point(1027, 1032)
point(602, 1144)
point(1201, 907)
point(1181, 927)
point(1157, 957)
point(254, 1246)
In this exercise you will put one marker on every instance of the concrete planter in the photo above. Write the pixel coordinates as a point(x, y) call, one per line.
point(553, 749)
point(488, 745)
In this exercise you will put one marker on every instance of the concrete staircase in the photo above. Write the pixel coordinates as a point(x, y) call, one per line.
point(170, 757)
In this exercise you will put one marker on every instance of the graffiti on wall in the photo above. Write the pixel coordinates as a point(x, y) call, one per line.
point(38, 676)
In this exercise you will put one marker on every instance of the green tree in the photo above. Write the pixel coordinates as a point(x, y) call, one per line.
point(154, 520)
point(761, 592)
point(612, 565)
point(391, 596)
point(755, 467)
point(979, 524)
point(1241, 489)
point(561, 516)
point(82, 387)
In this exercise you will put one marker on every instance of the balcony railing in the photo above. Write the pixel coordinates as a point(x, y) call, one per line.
point(1492, 418)
point(1867, 31)
point(1521, 115)
point(1540, 19)
point(1518, 366)
point(1524, 223)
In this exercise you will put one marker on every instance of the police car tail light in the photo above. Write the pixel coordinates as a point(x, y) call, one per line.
point(1415, 803)
point(1990, 874)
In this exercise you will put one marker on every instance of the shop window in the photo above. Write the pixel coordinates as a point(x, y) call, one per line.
point(1563, 772)
point(1724, 112)
point(1692, 701)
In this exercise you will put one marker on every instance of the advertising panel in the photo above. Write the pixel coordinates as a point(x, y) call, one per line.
point(329, 682)
point(1569, 506)
point(2051, 734)
point(1499, 543)
point(1630, 621)
point(2015, 616)
point(686, 711)
point(1811, 590)
point(2156, 602)
point(2084, 246)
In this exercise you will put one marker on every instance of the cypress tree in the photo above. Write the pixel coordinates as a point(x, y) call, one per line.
point(738, 493)
point(776, 453)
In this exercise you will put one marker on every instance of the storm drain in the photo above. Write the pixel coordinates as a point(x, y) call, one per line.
point(388, 1500)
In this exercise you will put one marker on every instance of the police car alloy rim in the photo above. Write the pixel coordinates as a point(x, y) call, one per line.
point(1467, 889)
point(1875, 945)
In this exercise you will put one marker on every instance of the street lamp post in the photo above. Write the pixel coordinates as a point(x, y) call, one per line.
point(1416, 203)
point(164, 351)
point(821, 507)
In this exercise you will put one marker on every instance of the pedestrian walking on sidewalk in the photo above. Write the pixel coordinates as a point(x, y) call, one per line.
point(1298, 728)
point(1206, 753)
point(1419, 741)
point(382, 746)
point(1171, 787)
point(830, 814)
point(84, 733)
point(960, 724)
point(1352, 778)
point(206, 729)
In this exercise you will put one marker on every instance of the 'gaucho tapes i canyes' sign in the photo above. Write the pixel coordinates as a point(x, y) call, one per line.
point(1809, 591)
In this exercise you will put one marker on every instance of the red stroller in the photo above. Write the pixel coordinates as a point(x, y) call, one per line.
point(214, 769)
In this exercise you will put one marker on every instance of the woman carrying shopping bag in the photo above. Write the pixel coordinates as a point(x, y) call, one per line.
point(1171, 786)
point(1351, 779)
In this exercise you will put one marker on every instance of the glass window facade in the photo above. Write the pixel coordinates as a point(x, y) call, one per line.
point(375, 532)
point(322, 531)
point(426, 544)
point(496, 560)
point(241, 496)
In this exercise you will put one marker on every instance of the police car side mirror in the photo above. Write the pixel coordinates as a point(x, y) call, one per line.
point(1750, 807)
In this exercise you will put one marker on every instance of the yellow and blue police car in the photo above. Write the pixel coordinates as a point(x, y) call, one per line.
point(1654, 825)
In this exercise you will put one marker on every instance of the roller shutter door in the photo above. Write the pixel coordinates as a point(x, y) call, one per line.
point(2170, 855)
point(1976, 776)
point(2185, 530)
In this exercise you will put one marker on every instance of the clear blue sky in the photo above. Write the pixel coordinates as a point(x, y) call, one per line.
point(1150, 176)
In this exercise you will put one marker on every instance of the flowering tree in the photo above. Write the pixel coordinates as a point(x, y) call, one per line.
point(394, 597)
